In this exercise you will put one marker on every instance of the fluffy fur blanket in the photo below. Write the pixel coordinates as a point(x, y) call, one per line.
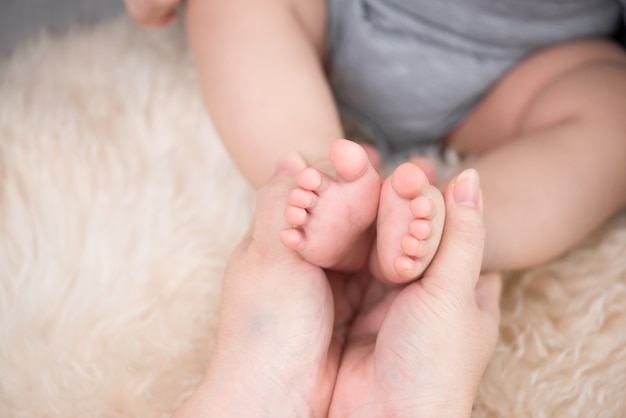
point(119, 207)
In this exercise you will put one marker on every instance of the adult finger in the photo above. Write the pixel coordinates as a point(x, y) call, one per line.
point(152, 13)
point(488, 292)
point(457, 264)
point(268, 222)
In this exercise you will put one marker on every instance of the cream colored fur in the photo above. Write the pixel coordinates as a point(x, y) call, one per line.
point(119, 207)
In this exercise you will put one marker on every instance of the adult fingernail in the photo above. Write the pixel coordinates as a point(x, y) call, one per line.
point(467, 188)
point(290, 165)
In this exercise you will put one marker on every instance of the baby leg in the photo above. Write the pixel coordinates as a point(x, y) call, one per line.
point(410, 222)
point(550, 141)
point(256, 62)
point(332, 217)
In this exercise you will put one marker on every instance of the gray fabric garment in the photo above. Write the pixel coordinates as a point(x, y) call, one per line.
point(410, 70)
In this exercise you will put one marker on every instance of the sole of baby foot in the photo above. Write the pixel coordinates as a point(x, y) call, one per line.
point(410, 222)
point(332, 216)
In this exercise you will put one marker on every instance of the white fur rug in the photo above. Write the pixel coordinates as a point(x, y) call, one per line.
point(119, 207)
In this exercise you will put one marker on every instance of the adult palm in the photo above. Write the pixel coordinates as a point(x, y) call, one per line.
point(421, 350)
point(277, 348)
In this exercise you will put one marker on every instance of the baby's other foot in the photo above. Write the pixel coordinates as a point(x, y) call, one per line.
point(410, 222)
point(332, 216)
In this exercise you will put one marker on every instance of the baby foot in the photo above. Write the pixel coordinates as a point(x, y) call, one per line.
point(332, 217)
point(410, 222)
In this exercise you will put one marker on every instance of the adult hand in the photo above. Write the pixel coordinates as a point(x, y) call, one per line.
point(421, 350)
point(152, 13)
point(276, 353)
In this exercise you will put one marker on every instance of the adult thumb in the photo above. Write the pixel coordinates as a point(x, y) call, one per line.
point(488, 293)
point(269, 218)
point(457, 264)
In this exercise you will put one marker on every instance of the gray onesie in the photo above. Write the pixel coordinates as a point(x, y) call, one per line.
point(410, 70)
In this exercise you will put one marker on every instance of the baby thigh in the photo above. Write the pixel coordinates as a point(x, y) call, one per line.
point(550, 141)
point(512, 105)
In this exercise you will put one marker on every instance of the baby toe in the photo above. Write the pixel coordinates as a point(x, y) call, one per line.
point(310, 179)
point(407, 268)
point(295, 215)
point(410, 245)
point(421, 228)
point(414, 247)
point(302, 198)
point(408, 181)
point(422, 207)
